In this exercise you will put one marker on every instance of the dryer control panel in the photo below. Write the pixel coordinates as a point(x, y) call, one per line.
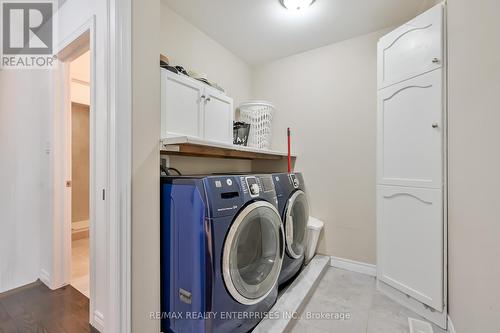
point(294, 180)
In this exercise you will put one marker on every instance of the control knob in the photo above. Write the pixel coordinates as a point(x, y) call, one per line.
point(254, 189)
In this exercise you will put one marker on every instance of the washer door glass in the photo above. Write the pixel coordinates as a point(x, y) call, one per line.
point(253, 253)
point(297, 215)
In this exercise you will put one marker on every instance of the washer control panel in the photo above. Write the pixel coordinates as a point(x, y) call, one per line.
point(253, 186)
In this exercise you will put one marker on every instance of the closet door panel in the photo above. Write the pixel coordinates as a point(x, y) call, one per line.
point(412, 49)
point(410, 242)
point(410, 135)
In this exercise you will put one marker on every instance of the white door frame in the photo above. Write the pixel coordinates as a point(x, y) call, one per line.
point(78, 42)
point(120, 168)
point(118, 196)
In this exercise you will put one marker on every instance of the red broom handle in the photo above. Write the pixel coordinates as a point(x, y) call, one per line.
point(289, 150)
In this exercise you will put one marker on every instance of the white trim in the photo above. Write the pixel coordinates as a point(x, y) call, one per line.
point(98, 321)
point(445, 166)
point(93, 197)
point(80, 31)
point(45, 277)
point(354, 266)
point(451, 328)
point(120, 166)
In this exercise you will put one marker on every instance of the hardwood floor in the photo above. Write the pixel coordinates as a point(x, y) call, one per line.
point(36, 308)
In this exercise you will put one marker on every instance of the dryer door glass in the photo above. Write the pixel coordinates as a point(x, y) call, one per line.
point(297, 215)
point(253, 253)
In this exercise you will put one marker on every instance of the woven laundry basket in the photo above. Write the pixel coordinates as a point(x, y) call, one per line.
point(259, 114)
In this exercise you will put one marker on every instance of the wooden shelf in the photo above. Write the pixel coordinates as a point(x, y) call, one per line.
point(188, 146)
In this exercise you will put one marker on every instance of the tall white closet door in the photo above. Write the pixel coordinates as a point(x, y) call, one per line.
point(410, 164)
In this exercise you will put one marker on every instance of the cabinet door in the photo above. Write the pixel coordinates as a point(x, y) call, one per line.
point(410, 132)
point(410, 242)
point(412, 49)
point(181, 106)
point(218, 116)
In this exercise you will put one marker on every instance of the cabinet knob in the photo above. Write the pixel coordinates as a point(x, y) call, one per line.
point(208, 99)
point(435, 125)
point(435, 61)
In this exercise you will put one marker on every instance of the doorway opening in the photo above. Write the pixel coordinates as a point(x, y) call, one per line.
point(74, 156)
point(79, 70)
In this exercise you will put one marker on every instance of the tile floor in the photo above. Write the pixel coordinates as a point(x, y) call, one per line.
point(355, 294)
point(80, 265)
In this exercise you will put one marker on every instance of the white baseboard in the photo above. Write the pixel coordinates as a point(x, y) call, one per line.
point(98, 321)
point(45, 278)
point(451, 328)
point(354, 266)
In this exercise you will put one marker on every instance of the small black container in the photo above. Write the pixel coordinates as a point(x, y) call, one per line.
point(240, 133)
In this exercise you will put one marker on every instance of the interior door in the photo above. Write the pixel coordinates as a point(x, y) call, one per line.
point(181, 106)
point(218, 117)
point(410, 135)
point(412, 49)
point(410, 242)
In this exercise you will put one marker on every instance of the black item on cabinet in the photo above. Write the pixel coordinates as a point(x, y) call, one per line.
point(240, 133)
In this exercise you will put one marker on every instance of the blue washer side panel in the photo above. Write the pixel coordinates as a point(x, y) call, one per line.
point(185, 257)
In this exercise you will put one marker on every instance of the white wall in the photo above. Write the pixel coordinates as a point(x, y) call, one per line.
point(24, 173)
point(328, 98)
point(191, 48)
point(145, 165)
point(474, 165)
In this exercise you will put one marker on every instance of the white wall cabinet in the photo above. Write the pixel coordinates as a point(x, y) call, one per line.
point(218, 116)
point(412, 49)
point(411, 175)
point(192, 108)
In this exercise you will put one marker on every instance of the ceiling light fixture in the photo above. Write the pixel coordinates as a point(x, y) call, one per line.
point(296, 4)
